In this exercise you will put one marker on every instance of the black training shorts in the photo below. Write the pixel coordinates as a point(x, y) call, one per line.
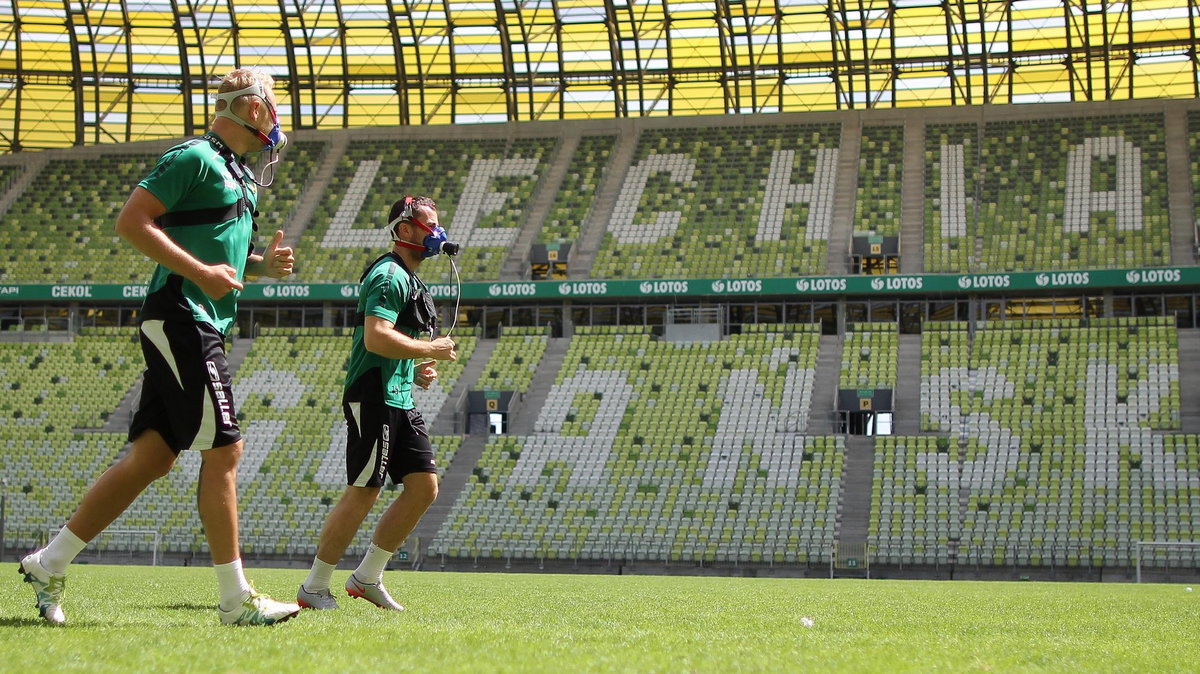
point(384, 440)
point(186, 393)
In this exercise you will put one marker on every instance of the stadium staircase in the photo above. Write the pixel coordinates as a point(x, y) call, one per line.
point(907, 395)
point(580, 262)
point(314, 192)
point(857, 477)
point(236, 355)
point(1179, 189)
point(825, 383)
point(450, 488)
point(118, 421)
point(33, 163)
point(517, 265)
point(444, 422)
point(539, 389)
point(1189, 396)
point(837, 260)
point(912, 201)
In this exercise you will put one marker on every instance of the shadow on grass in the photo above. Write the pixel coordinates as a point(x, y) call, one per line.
point(9, 621)
point(182, 606)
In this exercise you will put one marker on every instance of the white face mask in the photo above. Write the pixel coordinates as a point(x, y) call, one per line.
point(272, 142)
point(276, 139)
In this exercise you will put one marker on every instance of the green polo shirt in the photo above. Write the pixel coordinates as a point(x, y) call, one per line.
point(195, 176)
point(384, 292)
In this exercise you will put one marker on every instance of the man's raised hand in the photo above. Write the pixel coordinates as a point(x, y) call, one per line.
point(278, 261)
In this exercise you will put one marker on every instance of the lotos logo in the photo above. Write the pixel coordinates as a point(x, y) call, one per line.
point(71, 291)
point(738, 286)
point(657, 287)
point(9, 290)
point(985, 281)
point(134, 291)
point(583, 288)
point(1064, 278)
point(285, 290)
point(1041, 279)
point(898, 283)
point(443, 290)
point(512, 290)
point(1155, 276)
point(818, 285)
point(349, 291)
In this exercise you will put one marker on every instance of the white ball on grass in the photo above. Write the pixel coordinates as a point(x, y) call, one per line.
point(808, 622)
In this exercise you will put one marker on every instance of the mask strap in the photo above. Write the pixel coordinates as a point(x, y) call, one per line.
point(230, 96)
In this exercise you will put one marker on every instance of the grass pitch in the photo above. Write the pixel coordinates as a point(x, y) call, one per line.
point(125, 619)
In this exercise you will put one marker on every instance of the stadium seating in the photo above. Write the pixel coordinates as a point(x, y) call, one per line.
point(289, 407)
point(945, 359)
point(951, 178)
point(573, 202)
point(709, 208)
point(1193, 124)
point(914, 500)
point(1060, 463)
point(53, 392)
point(658, 451)
point(869, 354)
point(880, 170)
point(8, 173)
point(277, 203)
point(62, 227)
point(1069, 193)
point(515, 360)
point(483, 189)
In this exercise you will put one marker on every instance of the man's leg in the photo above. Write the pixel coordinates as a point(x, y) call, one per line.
point(109, 496)
point(343, 522)
point(216, 496)
point(217, 501)
point(340, 527)
point(398, 521)
point(149, 459)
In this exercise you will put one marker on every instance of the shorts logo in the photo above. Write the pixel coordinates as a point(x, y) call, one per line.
point(383, 453)
point(223, 402)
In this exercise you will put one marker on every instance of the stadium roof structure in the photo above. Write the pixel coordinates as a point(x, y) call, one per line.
point(108, 71)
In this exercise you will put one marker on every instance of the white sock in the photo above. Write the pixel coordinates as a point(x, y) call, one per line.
point(370, 571)
point(318, 577)
point(64, 548)
point(232, 583)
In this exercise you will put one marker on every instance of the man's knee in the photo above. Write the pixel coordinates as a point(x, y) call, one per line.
point(422, 489)
point(223, 459)
point(151, 455)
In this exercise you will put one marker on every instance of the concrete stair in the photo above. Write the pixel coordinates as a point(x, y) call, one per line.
point(314, 192)
point(33, 163)
point(118, 421)
point(906, 397)
point(825, 381)
point(912, 199)
point(450, 489)
point(857, 472)
point(1179, 189)
point(516, 266)
point(1189, 396)
point(447, 420)
point(579, 265)
point(837, 257)
point(539, 390)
